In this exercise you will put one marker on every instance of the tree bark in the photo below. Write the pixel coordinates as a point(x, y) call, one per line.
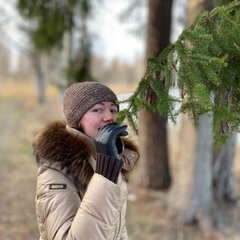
point(182, 167)
point(223, 178)
point(193, 176)
point(200, 199)
point(154, 167)
point(159, 26)
point(195, 7)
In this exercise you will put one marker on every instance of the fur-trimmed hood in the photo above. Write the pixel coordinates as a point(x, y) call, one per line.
point(60, 146)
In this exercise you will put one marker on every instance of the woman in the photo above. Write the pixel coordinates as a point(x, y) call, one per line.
point(82, 167)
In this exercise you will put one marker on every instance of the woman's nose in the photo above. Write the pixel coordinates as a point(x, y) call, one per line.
point(108, 116)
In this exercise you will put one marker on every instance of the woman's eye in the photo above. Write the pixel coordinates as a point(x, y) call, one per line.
point(114, 111)
point(99, 110)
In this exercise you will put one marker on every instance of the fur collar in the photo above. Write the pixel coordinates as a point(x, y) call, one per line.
point(56, 145)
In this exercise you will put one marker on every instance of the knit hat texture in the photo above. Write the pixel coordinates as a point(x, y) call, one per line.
point(80, 97)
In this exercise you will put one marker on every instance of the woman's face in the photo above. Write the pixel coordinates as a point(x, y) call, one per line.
point(98, 116)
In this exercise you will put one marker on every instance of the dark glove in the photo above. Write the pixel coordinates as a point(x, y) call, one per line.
point(108, 140)
point(108, 167)
point(109, 145)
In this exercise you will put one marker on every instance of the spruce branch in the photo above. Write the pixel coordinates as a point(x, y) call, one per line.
point(204, 64)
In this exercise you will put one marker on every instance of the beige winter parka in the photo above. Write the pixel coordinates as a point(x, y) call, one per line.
point(73, 202)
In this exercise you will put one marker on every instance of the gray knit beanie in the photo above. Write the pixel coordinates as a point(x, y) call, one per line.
point(80, 97)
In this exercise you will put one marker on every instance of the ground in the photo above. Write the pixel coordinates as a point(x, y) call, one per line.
point(21, 118)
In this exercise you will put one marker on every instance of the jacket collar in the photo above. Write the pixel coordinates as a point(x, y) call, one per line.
point(65, 147)
point(56, 145)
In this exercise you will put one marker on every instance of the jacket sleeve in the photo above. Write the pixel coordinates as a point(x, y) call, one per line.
point(62, 215)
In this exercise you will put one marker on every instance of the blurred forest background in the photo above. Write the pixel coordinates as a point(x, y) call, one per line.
point(176, 192)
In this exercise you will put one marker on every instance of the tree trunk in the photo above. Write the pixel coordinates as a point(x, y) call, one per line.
point(154, 167)
point(223, 179)
point(41, 81)
point(62, 62)
point(195, 159)
point(193, 174)
point(154, 171)
point(182, 167)
point(200, 194)
point(159, 26)
point(222, 165)
point(195, 7)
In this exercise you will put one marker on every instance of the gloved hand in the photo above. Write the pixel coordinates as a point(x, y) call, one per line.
point(108, 140)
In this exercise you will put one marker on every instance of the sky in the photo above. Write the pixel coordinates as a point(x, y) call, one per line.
point(112, 39)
